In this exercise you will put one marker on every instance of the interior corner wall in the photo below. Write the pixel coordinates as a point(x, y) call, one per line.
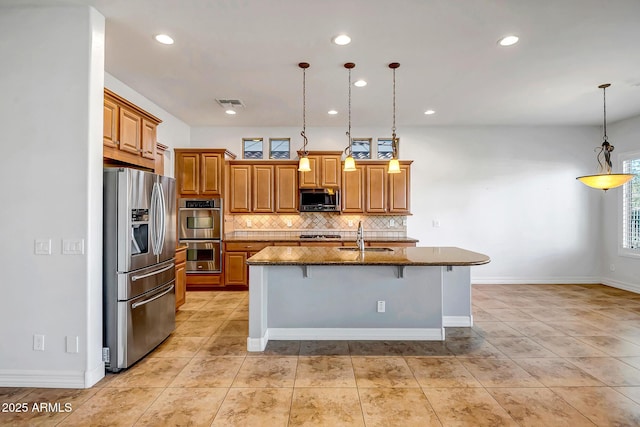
point(507, 191)
point(51, 168)
point(619, 270)
point(172, 132)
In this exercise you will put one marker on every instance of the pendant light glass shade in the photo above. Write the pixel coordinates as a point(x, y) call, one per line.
point(605, 179)
point(303, 164)
point(394, 166)
point(349, 164)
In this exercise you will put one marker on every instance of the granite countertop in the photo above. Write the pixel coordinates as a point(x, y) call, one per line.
point(295, 237)
point(417, 256)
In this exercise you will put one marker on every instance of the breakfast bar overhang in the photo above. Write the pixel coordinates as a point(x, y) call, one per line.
point(334, 293)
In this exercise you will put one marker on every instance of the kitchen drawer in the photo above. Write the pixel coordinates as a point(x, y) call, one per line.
point(181, 255)
point(245, 246)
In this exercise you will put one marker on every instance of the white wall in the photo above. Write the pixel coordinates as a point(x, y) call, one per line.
point(51, 118)
point(508, 192)
point(625, 136)
point(172, 132)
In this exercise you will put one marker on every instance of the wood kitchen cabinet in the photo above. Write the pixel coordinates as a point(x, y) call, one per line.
point(371, 190)
point(262, 187)
point(159, 166)
point(181, 276)
point(199, 171)
point(325, 170)
point(129, 132)
point(236, 270)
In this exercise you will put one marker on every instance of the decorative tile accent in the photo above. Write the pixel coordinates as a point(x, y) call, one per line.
point(318, 222)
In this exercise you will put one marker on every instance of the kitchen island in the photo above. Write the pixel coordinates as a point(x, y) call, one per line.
point(396, 293)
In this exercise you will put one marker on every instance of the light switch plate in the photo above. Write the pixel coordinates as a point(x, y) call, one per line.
point(42, 247)
point(72, 344)
point(72, 246)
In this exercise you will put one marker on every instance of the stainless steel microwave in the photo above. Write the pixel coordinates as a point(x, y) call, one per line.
point(319, 200)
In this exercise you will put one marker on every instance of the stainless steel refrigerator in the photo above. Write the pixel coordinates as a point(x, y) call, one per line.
point(139, 241)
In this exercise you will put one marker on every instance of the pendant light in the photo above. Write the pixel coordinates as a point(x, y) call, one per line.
point(394, 164)
point(303, 163)
point(605, 180)
point(349, 162)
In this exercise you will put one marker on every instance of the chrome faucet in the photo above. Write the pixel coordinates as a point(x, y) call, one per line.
point(360, 237)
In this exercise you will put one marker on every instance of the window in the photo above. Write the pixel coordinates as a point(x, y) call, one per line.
point(385, 148)
point(361, 148)
point(252, 148)
point(279, 148)
point(631, 206)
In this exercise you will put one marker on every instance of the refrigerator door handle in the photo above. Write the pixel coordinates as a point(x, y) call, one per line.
point(153, 273)
point(147, 301)
point(162, 214)
point(154, 216)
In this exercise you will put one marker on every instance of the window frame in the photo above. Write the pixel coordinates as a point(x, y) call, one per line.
point(367, 140)
point(271, 140)
point(622, 251)
point(378, 148)
point(245, 140)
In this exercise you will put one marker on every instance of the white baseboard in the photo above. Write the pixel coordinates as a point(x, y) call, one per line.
point(258, 344)
point(43, 379)
point(426, 334)
point(457, 321)
point(631, 287)
point(570, 280)
point(94, 375)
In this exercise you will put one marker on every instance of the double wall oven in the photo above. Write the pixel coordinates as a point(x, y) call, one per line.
point(200, 228)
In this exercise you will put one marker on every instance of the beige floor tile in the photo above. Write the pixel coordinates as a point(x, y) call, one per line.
point(209, 372)
point(150, 372)
point(404, 407)
point(324, 348)
point(460, 333)
point(326, 407)
point(577, 329)
point(111, 407)
point(241, 313)
point(376, 348)
point(618, 313)
point(224, 346)
point(495, 329)
point(569, 346)
point(633, 361)
point(632, 393)
point(604, 406)
point(212, 314)
point(538, 407)
point(515, 347)
point(193, 304)
point(182, 315)
point(272, 371)
point(499, 373)
point(480, 315)
point(554, 372)
point(182, 407)
point(477, 347)
point(489, 303)
point(610, 371)
point(176, 346)
point(325, 371)
point(613, 346)
point(35, 405)
point(445, 372)
point(382, 372)
point(278, 348)
point(235, 327)
point(13, 394)
point(535, 328)
point(508, 314)
point(467, 407)
point(255, 407)
point(197, 328)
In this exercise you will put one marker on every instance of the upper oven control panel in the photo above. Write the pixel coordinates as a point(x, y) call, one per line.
point(200, 203)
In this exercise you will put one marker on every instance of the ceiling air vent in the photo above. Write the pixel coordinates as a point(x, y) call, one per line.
point(230, 103)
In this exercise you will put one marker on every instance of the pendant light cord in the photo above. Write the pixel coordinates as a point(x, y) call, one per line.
point(604, 103)
point(349, 109)
point(304, 111)
point(393, 129)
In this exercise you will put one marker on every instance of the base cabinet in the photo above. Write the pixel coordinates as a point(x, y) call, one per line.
point(181, 276)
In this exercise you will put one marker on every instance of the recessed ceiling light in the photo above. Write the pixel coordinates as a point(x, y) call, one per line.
point(360, 83)
point(164, 39)
point(341, 39)
point(230, 111)
point(429, 112)
point(508, 40)
point(332, 112)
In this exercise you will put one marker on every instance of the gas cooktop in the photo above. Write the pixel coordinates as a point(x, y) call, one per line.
point(319, 236)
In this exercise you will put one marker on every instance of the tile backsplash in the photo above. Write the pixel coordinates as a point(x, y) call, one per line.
point(318, 222)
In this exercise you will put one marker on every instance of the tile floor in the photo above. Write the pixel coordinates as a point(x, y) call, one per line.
point(538, 355)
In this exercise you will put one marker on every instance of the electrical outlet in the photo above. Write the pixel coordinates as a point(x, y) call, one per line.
point(72, 246)
point(42, 247)
point(612, 267)
point(289, 223)
point(350, 223)
point(38, 342)
point(249, 223)
point(381, 306)
point(72, 344)
point(435, 223)
point(392, 223)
